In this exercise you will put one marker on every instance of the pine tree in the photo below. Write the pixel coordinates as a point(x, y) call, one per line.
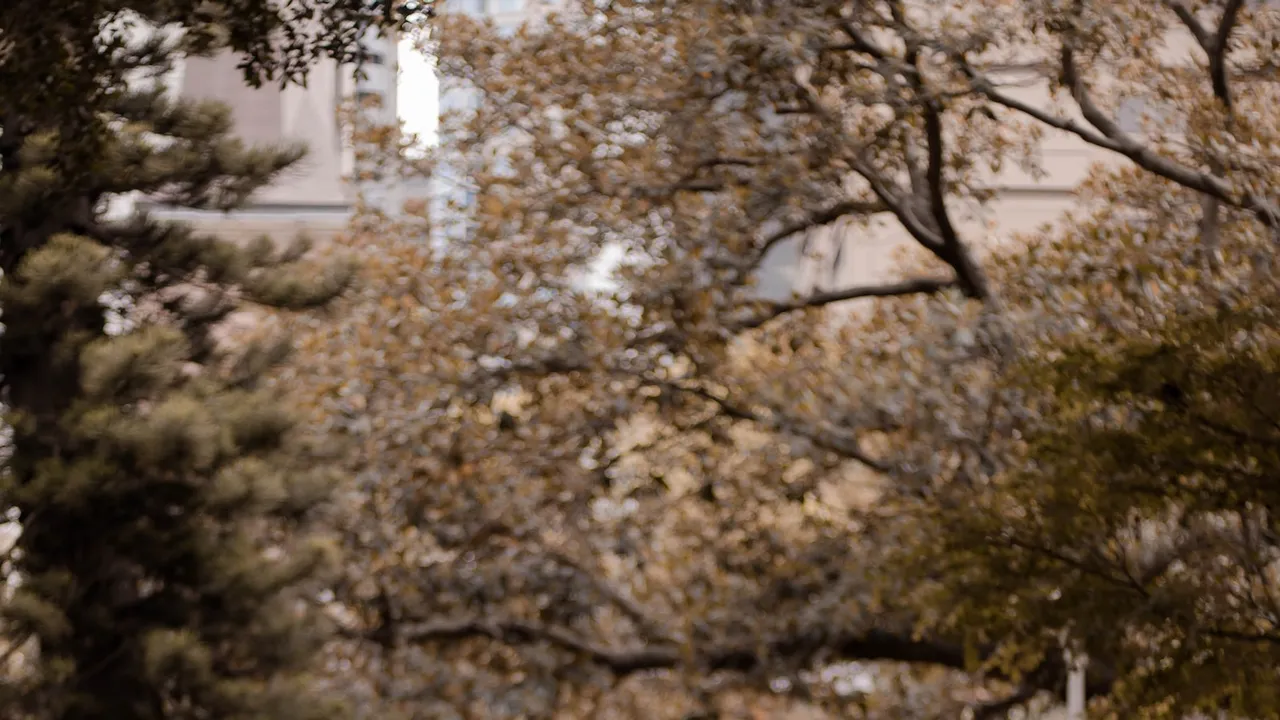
point(165, 556)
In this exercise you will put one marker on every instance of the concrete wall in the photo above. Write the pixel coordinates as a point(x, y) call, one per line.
point(272, 116)
point(315, 195)
point(281, 224)
point(1023, 203)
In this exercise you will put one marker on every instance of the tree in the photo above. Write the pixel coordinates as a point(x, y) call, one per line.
point(165, 558)
point(563, 489)
point(1133, 512)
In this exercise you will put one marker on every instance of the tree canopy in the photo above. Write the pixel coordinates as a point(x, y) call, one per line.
point(675, 496)
point(671, 495)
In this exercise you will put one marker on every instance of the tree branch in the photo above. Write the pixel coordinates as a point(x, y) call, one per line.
point(627, 604)
point(621, 661)
point(1218, 52)
point(1108, 136)
point(1247, 637)
point(1192, 24)
point(900, 209)
point(942, 239)
point(818, 219)
point(914, 286)
point(983, 85)
point(823, 438)
point(948, 249)
point(15, 646)
point(803, 647)
point(691, 183)
point(953, 250)
point(1216, 48)
point(718, 161)
point(698, 186)
point(861, 43)
point(1092, 113)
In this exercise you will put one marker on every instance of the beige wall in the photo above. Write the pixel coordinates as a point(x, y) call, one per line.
point(842, 255)
point(272, 116)
point(866, 255)
point(1023, 204)
point(279, 225)
point(313, 196)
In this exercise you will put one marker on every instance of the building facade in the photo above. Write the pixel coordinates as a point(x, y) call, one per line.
point(315, 196)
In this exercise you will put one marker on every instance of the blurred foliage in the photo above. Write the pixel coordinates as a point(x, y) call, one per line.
point(680, 493)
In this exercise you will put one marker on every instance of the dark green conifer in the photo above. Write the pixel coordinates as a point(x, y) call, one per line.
point(165, 557)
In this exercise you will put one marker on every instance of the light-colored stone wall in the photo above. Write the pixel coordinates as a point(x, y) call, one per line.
point(316, 195)
point(1022, 204)
point(272, 116)
point(281, 227)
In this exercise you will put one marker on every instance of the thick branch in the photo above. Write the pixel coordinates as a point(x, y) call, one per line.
point(988, 89)
point(1108, 136)
point(1092, 113)
point(804, 647)
point(901, 209)
point(1218, 52)
point(1215, 45)
point(914, 286)
point(1192, 23)
point(954, 252)
point(942, 239)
